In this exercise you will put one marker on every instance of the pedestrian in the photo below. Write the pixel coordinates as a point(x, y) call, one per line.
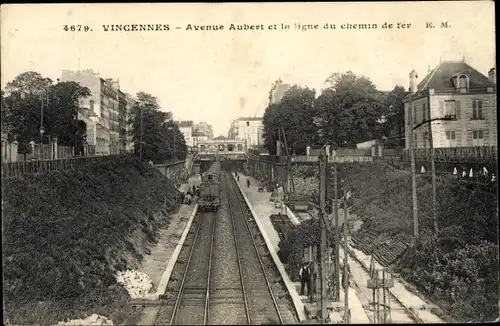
point(194, 189)
point(238, 177)
point(345, 282)
point(248, 183)
point(305, 278)
point(188, 198)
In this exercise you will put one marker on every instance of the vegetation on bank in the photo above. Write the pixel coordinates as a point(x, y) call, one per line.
point(458, 267)
point(65, 234)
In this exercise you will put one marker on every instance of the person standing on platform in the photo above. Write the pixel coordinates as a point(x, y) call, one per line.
point(248, 183)
point(345, 282)
point(305, 278)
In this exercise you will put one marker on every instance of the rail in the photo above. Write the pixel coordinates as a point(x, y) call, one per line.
point(408, 310)
point(245, 298)
point(184, 277)
point(261, 264)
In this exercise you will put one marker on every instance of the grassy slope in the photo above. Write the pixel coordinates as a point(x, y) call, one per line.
point(66, 233)
point(459, 267)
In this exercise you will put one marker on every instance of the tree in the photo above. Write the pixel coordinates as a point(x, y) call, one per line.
point(157, 132)
point(295, 114)
point(350, 110)
point(29, 82)
point(395, 120)
point(22, 109)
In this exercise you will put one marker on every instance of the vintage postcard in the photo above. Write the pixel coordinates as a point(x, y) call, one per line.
point(249, 163)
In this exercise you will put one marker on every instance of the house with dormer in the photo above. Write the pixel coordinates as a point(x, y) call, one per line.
point(454, 103)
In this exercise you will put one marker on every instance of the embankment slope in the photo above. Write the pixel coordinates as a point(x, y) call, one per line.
point(456, 268)
point(66, 234)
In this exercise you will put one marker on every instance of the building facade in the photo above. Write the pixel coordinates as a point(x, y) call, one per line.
point(204, 128)
point(199, 137)
point(104, 111)
point(186, 128)
point(249, 129)
point(454, 103)
point(278, 91)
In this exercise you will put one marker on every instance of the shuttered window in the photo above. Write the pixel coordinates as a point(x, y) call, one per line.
point(441, 109)
point(477, 110)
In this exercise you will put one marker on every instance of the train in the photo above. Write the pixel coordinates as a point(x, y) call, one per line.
point(210, 188)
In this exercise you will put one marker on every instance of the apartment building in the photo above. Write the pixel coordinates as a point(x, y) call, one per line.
point(463, 96)
point(199, 137)
point(249, 129)
point(104, 112)
point(204, 128)
point(186, 128)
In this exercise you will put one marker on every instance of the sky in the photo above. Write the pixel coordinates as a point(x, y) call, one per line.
point(218, 76)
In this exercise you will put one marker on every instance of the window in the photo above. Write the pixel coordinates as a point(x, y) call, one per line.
point(477, 110)
point(477, 134)
point(424, 112)
point(450, 109)
point(450, 134)
point(462, 81)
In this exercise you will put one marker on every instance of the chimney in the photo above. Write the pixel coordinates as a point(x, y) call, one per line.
point(413, 81)
point(429, 68)
point(492, 75)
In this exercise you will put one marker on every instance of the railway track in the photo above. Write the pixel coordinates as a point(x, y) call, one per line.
point(399, 313)
point(187, 299)
point(224, 274)
point(268, 301)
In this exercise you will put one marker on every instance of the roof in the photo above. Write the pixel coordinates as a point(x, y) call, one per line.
point(220, 138)
point(184, 124)
point(250, 119)
point(441, 76)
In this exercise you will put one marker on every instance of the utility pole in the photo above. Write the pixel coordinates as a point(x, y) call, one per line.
point(337, 231)
point(346, 264)
point(433, 171)
point(413, 75)
point(323, 249)
point(142, 131)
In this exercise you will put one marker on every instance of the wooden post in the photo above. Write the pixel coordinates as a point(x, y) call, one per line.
point(346, 263)
point(323, 249)
point(433, 168)
point(337, 232)
point(412, 164)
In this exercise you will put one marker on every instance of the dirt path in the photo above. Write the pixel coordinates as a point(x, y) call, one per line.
point(156, 262)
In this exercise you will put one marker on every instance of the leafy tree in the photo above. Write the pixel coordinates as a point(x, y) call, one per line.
point(21, 109)
point(295, 114)
point(349, 111)
point(157, 131)
point(395, 121)
point(29, 82)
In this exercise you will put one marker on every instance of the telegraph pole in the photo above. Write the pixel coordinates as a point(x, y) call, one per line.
point(323, 249)
point(346, 264)
point(337, 231)
point(140, 143)
point(413, 75)
point(433, 171)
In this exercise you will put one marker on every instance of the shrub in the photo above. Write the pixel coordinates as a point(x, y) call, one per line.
point(291, 248)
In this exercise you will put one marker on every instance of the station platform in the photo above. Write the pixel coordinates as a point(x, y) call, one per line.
point(194, 180)
point(263, 208)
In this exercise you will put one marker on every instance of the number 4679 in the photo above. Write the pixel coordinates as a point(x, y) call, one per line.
point(76, 28)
